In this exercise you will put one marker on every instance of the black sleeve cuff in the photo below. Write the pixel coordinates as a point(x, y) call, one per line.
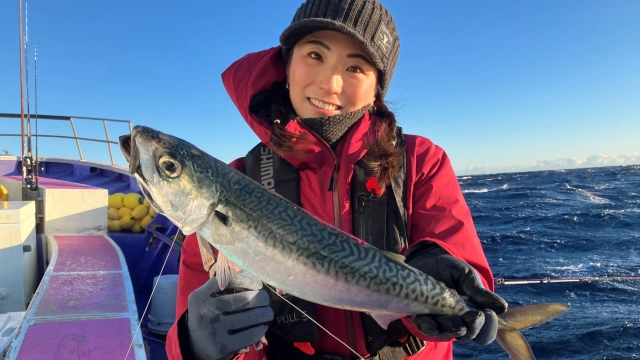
point(185, 340)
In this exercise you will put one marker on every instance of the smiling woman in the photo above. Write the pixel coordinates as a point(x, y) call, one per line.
point(329, 73)
point(329, 144)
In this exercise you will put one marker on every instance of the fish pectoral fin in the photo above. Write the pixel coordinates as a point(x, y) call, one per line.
point(384, 319)
point(220, 234)
point(222, 237)
point(207, 254)
point(225, 270)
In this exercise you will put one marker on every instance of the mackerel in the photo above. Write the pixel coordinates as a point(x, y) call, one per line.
point(286, 247)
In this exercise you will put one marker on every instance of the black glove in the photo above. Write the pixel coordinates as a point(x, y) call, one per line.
point(480, 325)
point(221, 323)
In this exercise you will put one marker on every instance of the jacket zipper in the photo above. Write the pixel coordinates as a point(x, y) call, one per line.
point(332, 180)
point(336, 196)
point(351, 333)
point(362, 228)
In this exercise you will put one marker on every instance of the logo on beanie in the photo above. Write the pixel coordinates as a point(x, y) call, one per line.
point(383, 38)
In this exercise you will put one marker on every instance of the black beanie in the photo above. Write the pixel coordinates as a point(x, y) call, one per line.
point(366, 21)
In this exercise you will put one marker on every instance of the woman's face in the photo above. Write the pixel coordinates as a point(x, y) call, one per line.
point(330, 73)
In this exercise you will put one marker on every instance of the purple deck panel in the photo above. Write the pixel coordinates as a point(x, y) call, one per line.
point(52, 183)
point(84, 311)
point(100, 339)
point(94, 175)
point(86, 253)
point(83, 294)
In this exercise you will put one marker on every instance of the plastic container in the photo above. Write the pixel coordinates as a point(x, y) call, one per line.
point(163, 304)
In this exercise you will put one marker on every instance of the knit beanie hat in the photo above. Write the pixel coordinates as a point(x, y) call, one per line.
point(366, 21)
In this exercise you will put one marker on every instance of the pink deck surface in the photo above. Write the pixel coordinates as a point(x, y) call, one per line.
point(83, 312)
point(101, 339)
point(52, 183)
point(86, 253)
point(74, 294)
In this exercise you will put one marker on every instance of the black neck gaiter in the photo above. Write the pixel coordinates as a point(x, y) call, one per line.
point(332, 128)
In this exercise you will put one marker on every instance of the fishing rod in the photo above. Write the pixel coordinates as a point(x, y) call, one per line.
point(21, 87)
point(35, 68)
point(28, 158)
point(27, 161)
point(548, 280)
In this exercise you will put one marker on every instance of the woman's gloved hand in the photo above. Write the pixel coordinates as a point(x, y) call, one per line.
point(221, 323)
point(481, 325)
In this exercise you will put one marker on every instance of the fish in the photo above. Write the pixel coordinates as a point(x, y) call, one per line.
point(258, 231)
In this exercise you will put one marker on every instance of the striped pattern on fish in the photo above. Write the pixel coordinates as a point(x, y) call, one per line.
point(288, 248)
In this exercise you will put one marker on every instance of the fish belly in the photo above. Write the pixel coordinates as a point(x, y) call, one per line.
point(293, 275)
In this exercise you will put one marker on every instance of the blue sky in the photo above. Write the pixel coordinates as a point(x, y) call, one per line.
point(497, 84)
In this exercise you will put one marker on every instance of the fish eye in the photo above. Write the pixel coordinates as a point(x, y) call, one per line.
point(169, 167)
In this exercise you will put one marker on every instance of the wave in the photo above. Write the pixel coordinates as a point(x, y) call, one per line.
point(503, 187)
point(591, 196)
point(603, 187)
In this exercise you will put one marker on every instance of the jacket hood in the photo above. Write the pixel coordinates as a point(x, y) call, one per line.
point(260, 71)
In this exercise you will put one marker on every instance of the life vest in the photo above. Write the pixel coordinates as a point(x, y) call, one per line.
point(379, 218)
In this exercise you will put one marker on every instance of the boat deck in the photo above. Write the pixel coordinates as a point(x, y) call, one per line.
point(85, 305)
point(50, 183)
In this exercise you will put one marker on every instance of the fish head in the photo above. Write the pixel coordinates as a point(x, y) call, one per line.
point(169, 172)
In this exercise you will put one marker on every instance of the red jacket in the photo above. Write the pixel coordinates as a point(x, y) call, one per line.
point(436, 208)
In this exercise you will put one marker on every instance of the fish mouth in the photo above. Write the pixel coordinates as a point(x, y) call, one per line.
point(125, 142)
point(130, 153)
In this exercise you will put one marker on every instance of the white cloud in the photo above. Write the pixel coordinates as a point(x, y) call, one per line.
point(569, 163)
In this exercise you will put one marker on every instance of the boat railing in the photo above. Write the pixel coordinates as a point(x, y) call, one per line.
point(71, 120)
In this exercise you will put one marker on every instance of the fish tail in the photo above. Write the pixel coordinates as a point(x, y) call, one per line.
point(520, 318)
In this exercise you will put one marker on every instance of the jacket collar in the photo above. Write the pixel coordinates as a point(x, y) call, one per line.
point(256, 72)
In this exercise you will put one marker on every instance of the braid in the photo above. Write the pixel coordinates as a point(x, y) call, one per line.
point(280, 113)
point(383, 157)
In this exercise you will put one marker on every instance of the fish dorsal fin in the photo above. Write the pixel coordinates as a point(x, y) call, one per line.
point(393, 256)
point(225, 270)
point(399, 259)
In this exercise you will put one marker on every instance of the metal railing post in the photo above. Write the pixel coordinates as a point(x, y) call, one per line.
point(73, 128)
point(75, 134)
point(106, 132)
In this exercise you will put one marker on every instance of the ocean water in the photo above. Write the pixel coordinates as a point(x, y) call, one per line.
point(564, 224)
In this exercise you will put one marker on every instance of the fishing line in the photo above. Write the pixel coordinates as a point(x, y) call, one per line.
point(150, 296)
point(503, 281)
point(268, 287)
point(315, 322)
